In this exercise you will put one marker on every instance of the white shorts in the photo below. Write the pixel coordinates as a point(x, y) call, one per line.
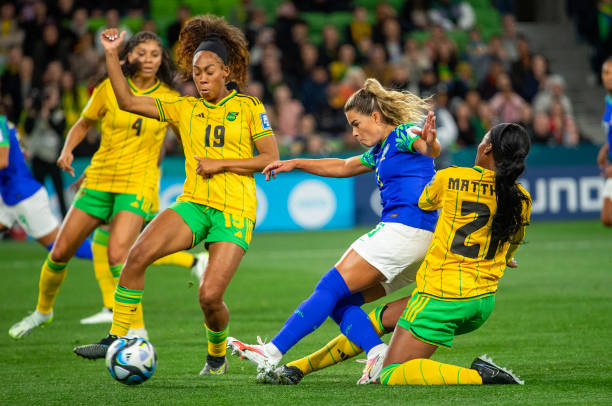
point(396, 250)
point(607, 190)
point(33, 215)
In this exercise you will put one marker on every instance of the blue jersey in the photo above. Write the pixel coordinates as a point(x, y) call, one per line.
point(16, 181)
point(607, 124)
point(402, 174)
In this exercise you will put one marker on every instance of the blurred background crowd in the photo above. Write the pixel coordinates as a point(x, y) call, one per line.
point(307, 58)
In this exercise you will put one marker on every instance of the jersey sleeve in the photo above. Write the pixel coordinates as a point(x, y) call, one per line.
point(4, 133)
point(260, 125)
point(96, 106)
point(431, 197)
point(170, 108)
point(368, 159)
point(404, 137)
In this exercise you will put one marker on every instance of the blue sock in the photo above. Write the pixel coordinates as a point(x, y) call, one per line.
point(355, 323)
point(313, 311)
point(84, 251)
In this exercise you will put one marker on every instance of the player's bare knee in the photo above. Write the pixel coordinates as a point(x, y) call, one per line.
point(606, 220)
point(59, 253)
point(210, 299)
point(117, 255)
point(140, 255)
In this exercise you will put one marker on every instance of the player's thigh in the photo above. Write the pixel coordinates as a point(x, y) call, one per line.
point(223, 261)
point(74, 230)
point(606, 211)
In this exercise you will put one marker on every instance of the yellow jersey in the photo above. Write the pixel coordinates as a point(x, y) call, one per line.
point(126, 161)
point(226, 130)
point(462, 262)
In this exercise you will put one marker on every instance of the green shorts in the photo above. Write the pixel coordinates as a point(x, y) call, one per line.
point(437, 321)
point(104, 205)
point(211, 225)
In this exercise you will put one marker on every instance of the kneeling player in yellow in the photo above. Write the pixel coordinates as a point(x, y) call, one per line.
point(482, 221)
point(218, 204)
point(115, 190)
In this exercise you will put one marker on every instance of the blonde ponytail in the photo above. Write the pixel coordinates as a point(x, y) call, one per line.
point(396, 107)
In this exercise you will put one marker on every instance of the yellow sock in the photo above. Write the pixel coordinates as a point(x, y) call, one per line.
point(139, 318)
point(52, 276)
point(106, 281)
point(338, 349)
point(428, 372)
point(217, 341)
point(180, 258)
point(124, 310)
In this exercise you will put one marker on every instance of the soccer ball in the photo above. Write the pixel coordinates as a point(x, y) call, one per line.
point(131, 360)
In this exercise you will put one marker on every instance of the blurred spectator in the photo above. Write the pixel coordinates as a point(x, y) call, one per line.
point(428, 83)
point(85, 60)
point(288, 111)
point(541, 129)
point(48, 49)
point(79, 24)
point(445, 61)
point(255, 23)
point(10, 83)
point(413, 15)
point(33, 27)
point(309, 56)
point(401, 78)
point(314, 94)
point(183, 13)
point(466, 133)
point(392, 39)
point(452, 14)
point(506, 105)
point(563, 127)
point(346, 59)
point(446, 128)
point(44, 125)
point(73, 98)
point(112, 21)
point(488, 86)
point(415, 60)
point(384, 12)
point(11, 35)
point(377, 66)
point(539, 68)
point(359, 28)
point(521, 72)
point(477, 55)
point(509, 37)
point(554, 92)
point(328, 51)
point(286, 17)
point(462, 82)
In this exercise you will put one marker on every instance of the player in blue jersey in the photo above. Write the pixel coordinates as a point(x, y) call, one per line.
point(386, 258)
point(24, 200)
point(604, 157)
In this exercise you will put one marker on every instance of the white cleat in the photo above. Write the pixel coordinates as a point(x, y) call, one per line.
point(29, 323)
point(103, 316)
point(200, 266)
point(373, 367)
point(138, 332)
point(257, 355)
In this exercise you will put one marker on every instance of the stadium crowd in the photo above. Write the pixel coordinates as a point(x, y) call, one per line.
point(50, 59)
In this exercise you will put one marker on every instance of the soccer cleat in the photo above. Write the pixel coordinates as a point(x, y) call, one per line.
point(103, 316)
point(97, 350)
point(138, 332)
point(371, 371)
point(199, 266)
point(254, 353)
point(494, 374)
point(29, 323)
point(208, 370)
point(288, 375)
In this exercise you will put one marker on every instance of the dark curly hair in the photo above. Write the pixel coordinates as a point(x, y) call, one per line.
point(194, 32)
point(510, 145)
point(166, 71)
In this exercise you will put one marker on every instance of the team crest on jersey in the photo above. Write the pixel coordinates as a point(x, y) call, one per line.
point(265, 124)
point(231, 116)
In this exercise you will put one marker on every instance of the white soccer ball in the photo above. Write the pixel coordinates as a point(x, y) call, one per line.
point(131, 360)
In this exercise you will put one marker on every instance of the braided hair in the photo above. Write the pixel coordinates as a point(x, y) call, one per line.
point(510, 145)
point(200, 27)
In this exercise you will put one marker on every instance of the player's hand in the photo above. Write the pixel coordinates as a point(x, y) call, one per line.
point(111, 39)
point(277, 167)
point(208, 167)
point(65, 161)
point(428, 132)
point(512, 263)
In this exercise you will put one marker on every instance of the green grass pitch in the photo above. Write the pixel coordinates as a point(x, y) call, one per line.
point(551, 324)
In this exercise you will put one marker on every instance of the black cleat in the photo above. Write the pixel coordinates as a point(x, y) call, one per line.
point(97, 350)
point(289, 375)
point(492, 374)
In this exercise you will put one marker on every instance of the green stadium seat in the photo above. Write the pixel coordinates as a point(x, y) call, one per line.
point(96, 23)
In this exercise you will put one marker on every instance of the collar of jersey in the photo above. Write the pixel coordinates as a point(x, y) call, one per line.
point(221, 102)
point(145, 91)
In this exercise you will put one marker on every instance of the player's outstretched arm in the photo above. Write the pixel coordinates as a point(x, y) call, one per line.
point(427, 143)
point(142, 105)
point(327, 167)
point(4, 156)
point(75, 136)
point(602, 156)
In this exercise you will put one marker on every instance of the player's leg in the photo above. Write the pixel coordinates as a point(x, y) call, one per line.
point(606, 212)
point(106, 281)
point(166, 234)
point(74, 230)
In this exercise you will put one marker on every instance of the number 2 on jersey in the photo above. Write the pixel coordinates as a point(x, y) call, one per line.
point(458, 245)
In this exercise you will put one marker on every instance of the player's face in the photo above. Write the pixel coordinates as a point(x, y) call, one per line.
point(149, 56)
point(482, 154)
point(365, 128)
point(209, 75)
point(606, 76)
